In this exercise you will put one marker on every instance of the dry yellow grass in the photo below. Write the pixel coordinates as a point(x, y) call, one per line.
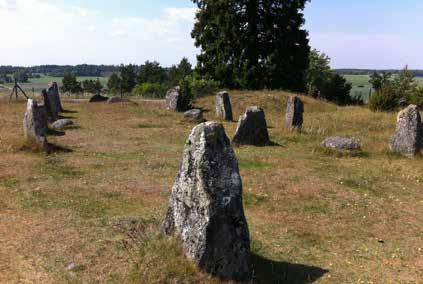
point(313, 215)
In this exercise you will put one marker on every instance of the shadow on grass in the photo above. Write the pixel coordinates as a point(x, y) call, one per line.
point(269, 271)
point(53, 148)
point(66, 117)
point(52, 132)
point(68, 111)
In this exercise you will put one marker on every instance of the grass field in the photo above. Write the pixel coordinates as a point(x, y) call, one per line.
point(362, 87)
point(38, 84)
point(92, 214)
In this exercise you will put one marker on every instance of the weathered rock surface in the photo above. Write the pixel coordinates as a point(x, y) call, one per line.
point(408, 137)
point(294, 113)
point(194, 115)
point(252, 128)
point(224, 106)
point(50, 106)
point(35, 125)
point(53, 93)
point(62, 123)
point(342, 143)
point(206, 210)
point(176, 101)
point(98, 99)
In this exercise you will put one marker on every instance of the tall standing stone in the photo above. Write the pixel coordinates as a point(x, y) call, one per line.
point(50, 106)
point(53, 94)
point(408, 137)
point(294, 113)
point(252, 128)
point(35, 125)
point(176, 101)
point(223, 106)
point(206, 210)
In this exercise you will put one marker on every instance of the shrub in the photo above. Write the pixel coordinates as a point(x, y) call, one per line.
point(202, 87)
point(416, 97)
point(92, 86)
point(186, 92)
point(71, 85)
point(150, 90)
point(384, 99)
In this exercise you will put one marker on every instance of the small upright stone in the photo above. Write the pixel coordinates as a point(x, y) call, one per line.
point(252, 128)
point(50, 106)
point(206, 210)
point(408, 137)
point(176, 101)
point(35, 125)
point(223, 106)
point(294, 113)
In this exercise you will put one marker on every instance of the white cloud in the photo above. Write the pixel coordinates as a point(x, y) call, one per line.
point(42, 32)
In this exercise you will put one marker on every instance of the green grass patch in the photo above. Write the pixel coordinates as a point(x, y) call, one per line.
point(10, 183)
point(247, 164)
point(251, 199)
point(54, 166)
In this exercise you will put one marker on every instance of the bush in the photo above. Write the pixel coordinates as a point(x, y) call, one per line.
point(71, 85)
point(201, 87)
point(384, 99)
point(92, 86)
point(150, 90)
point(416, 97)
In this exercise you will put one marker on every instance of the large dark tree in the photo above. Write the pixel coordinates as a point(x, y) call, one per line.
point(252, 43)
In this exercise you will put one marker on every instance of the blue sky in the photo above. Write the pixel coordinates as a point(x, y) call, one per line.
point(360, 33)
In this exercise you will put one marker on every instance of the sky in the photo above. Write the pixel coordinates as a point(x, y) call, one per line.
point(373, 34)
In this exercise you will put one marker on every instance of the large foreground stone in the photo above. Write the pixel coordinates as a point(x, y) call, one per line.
point(206, 210)
point(35, 125)
point(223, 106)
point(294, 113)
point(408, 137)
point(252, 128)
point(342, 143)
point(176, 101)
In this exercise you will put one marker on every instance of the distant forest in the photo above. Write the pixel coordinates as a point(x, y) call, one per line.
point(417, 73)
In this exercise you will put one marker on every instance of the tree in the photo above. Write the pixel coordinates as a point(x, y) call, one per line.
point(128, 78)
point(378, 80)
point(71, 85)
point(252, 44)
point(318, 72)
point(114, 83)
point(92, 86)
point(404, 83)
point(180, 71)
point(151, 72)
point(21, 76)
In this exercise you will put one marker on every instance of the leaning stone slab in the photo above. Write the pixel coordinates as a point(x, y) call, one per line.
point(342, 143)
point(61, 124)
point(294, 113)
point(408, 137)
point(195, 115)
point(252, 128)
point(35, 125)
point(206, 210)
point(176, 101)
point(98, 99)
point(223, 106)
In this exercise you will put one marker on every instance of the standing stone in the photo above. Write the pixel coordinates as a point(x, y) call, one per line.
point(252, 128)
point(408, 138)
point(50, 105)
point(223, 106)
point(35, 125)
point(294, 113)
point(176, 101)
point(53, 93)
point(206, 210)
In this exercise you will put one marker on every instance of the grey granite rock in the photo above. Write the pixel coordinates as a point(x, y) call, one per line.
point(194, 115)
point(224, 106)
point(294, 113)
point(62, 123)
point(35, 125)
point(176, 101)
point(408, 137)
point(206, 209)
point(342, 143)
point(252, 128)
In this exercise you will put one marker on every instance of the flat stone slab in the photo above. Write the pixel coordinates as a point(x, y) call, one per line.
point(114, 100)
point(342, 143)
point(62, 123)
point(98, 99)
point(194, 114)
